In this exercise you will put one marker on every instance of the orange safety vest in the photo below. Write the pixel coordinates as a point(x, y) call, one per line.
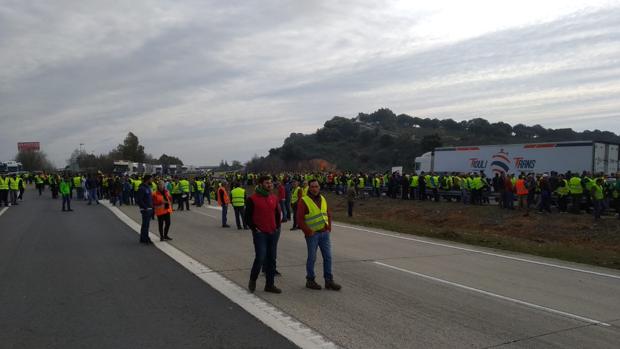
point(158, 203)
point(226, 199)
point(520, 185)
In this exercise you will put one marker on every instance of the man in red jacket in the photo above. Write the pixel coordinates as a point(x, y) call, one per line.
point(314, 218)
point(262, 214)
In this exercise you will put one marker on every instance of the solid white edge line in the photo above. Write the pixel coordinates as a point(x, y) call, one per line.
point(513, 300)
point(282, 323)
point(3, 210)
point(481, 252)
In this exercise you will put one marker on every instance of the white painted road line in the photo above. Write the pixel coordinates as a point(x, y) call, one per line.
point(279, 321)
point(469, 250)
point(481, 252)
point(3, 210)
point(513, 300)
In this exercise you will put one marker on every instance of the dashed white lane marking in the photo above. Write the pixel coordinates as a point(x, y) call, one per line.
point(525, 260)
point(481, 252)
point(3, 210)
point(491, 294)
point(279, 321)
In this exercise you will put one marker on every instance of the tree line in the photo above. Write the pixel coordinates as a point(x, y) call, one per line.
point(382, 139)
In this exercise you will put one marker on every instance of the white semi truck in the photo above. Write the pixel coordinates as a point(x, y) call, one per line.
point(576, 156)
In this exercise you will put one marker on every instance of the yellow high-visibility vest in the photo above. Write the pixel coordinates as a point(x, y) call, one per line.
point(317, 218)
point(238, 197)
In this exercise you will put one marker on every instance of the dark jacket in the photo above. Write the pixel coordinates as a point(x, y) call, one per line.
point(143, 197)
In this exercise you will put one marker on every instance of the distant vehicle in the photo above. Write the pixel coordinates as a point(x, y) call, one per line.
point(10, 167)
point(124, 167)
point(577, 156)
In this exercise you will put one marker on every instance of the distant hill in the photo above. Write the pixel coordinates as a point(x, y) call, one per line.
point(383, 139)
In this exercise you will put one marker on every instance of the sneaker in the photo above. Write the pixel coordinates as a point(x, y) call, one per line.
point(311, 284)
point(167, 238)
point(272, 289)
point(277, 273)
point(225, 226)
point(252, 286)
point(331, 285)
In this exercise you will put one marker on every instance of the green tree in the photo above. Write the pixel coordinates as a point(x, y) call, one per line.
point(169, 160)
point(430, 142)
point(131, 149)
point(34, 160)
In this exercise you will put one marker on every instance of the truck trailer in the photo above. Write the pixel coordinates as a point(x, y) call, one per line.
point(561, 157)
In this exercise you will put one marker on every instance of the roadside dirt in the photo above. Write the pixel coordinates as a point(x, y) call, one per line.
point(567, 236)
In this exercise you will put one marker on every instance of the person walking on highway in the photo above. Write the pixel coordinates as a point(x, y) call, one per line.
point(314, 219)
point(162, 203)
point(282, 199)
point(223, 201)
point(184, 186)
point(262, 215)
point(238, 203)
point(4, 190)
point(144, 200)
point(13, 189)
point(522, 193)
point(65, 192)
point(351, 194)
point(91, 186)
point(295, 189)
point(598, 196)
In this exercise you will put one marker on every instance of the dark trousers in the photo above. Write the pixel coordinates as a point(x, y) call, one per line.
point(163, 223)
point(545, 202)
point(276, 237)
point(184, 202)
point(265, 246)
point(21, 193)
point(598, 208)
point(4, 197)
point(146, 220)
point(576, 203)
point(284, 209)
point(295, 215)
point(66, 199)
point(239, 214)
point(563, 203)
point(224, 214)
point(13, 194)
point(350, 208)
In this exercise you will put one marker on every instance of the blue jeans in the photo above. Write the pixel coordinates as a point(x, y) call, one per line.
point(283, 209)
point(66, 200)
point(224, 213)
point(320, 240)
point(146, 220)
point(265, 246)
point(598, 208)
point(92, 195)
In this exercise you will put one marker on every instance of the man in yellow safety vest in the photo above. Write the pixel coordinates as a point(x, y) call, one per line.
point(314, 219)
point(238, 203)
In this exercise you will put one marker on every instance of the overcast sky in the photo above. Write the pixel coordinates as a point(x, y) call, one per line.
point(211, 80)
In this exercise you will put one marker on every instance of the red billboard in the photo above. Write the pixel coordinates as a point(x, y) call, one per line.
point(28, 146)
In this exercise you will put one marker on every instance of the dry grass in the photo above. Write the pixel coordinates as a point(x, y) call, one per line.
point(564, 236)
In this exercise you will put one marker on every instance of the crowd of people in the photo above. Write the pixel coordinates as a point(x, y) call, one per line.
point(278, 198)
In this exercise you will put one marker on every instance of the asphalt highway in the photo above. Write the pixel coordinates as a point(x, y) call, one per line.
point(401, 291)
point(81, 280)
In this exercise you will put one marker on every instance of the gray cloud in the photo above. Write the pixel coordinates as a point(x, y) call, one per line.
point(207, 81)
